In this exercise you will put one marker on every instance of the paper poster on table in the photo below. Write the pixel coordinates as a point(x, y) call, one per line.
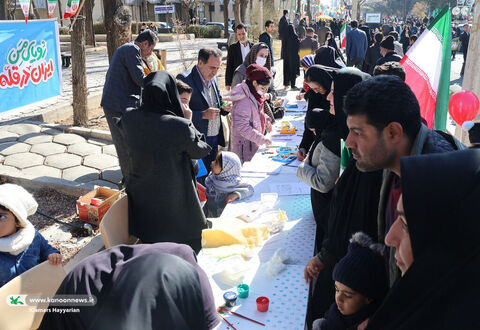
point(30, 66)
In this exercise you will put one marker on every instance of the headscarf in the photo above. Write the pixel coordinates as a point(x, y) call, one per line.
point(321, 75)
point(145, 286)
point(308, 60)
point(344, 80)
point(160, 94)
point(251, 57)
point(327, 56)
point(256, 72)
point(439, 290)
point(229, 178)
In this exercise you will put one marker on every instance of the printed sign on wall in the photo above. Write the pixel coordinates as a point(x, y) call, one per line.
point(30, 66)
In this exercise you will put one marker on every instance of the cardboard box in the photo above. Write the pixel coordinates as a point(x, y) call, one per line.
point(87, 211)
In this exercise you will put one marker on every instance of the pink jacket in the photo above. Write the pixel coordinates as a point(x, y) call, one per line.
point(247, 133)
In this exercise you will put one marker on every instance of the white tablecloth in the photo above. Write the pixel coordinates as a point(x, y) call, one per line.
point(288, 292)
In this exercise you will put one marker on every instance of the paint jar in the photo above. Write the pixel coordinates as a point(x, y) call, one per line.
point(262, 304)
point(230, 298)
point(243, 290)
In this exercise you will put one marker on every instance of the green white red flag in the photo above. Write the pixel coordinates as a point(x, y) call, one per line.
point(71, 9)
point(25, 5)
point(427, 68)
point(343, 35)
point(51, 7)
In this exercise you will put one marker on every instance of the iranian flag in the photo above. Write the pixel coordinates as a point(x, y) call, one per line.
point(71, 9)
point(343, 35)
point(427, 68)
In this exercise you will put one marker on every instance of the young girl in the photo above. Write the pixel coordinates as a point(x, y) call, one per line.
point(360, 285)
point(224, 184)
point(21, 246)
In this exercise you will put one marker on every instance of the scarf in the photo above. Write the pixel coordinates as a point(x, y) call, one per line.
point(160, 94)
point(337, 321)
point(251, 57)
point(229, 179)
point(17, 242)
point(324, 124)
point(260, 101)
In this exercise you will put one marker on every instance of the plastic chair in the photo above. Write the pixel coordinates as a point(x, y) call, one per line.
point(114, 225)
point(43, 279)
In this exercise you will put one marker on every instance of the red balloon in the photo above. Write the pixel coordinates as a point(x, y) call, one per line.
point(463, 106)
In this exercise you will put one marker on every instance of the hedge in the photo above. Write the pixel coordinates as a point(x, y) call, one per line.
point(202, 31)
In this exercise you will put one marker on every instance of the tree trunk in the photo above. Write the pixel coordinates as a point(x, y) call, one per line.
point(34, 10)
point(144, 11)
point(185, 15)
point(299, 7)
point(236, 12)
point(309, 11)
point(60, 14)
point(79, 76)
point(89, 31)
point(3, 9)
point(117, 20)
point(243, 10)
point(225, 18)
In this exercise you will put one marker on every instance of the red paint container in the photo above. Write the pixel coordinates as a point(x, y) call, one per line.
point(262, 304)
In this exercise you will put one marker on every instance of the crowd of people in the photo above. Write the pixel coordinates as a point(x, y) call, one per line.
point(394, 201)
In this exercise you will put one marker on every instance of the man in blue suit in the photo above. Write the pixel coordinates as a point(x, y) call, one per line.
point(206, 101)
point(357, 45)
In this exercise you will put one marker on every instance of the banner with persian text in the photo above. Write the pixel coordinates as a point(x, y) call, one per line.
point(30, 65)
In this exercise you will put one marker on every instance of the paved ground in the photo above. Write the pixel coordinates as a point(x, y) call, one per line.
point(42, 153)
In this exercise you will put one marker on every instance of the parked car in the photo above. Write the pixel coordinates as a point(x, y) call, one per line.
point(221, 25)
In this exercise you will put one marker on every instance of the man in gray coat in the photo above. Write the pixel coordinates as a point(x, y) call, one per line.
point(123, 86)
point(357, 45)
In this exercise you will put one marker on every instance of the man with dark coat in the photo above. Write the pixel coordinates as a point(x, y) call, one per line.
point(373, 54)
point(367, 31)
point(308, 45)
point(282, 29)
point(387, 51)
point(322, 32)
point(383, 116)
point(266, 37)
point(206, 101)
point(464, 39)
point(123, 86)
point(357, 45)
point(236, 53)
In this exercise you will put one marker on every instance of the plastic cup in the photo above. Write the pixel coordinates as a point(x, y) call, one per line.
point(262, 304)
point(243, 290)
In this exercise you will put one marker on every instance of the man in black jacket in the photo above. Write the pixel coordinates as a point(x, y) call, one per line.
point(387, 51)
point(123, 87)
point(266, 37)
point(282, 27)
point(237, 53)
point(367, 31)
point(464, 39)
point(373, 54)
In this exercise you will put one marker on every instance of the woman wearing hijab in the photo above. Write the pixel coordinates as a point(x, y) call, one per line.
point(249, 122)
point(258, 54)
point(291, 60)
point(328, 56)
point(146, 286)
point(353, 207)
point(317, 84)
point(330, 41)
point(162, 195)
point(321, 168)
point(436, 240)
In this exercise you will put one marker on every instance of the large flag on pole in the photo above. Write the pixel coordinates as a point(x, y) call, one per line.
point(427, 68)
point(343, 35)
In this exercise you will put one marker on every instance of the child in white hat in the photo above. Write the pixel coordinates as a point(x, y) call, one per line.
point(21, 246)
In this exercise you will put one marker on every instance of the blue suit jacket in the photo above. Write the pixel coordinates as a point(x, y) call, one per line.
point(356, 44)
point(198, 102)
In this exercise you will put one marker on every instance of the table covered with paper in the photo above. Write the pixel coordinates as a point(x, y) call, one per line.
point(266, 240)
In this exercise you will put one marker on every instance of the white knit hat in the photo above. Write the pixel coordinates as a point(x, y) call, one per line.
point(18, 201)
